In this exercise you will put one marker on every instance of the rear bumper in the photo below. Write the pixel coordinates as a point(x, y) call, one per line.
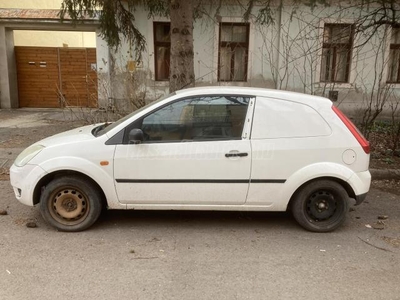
point(360, 183)
point(360, 198)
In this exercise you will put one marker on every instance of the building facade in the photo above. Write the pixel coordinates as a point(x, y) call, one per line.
point(320, 50)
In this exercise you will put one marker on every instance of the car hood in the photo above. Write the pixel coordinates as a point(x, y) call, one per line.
point(70, 136)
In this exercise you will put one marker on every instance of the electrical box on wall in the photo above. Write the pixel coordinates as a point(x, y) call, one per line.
point(131, 66)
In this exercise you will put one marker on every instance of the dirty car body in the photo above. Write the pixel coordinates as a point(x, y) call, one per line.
point(211, 148)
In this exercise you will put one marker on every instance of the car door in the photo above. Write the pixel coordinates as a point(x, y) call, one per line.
point(195, 151)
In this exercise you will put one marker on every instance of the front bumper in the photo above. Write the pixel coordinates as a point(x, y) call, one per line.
point(24, 180)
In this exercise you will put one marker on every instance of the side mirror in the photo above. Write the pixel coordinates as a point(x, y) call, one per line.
point(136, 136)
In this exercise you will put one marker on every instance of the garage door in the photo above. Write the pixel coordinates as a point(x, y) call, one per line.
point(56, 77)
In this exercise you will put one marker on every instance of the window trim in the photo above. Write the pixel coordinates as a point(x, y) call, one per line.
point(247, 44)
point(335, 46)
point(159, 44)
point(139, 121)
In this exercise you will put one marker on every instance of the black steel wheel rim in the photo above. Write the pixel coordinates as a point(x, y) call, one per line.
point(322, 205)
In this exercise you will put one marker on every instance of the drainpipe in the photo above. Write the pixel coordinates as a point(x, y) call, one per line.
point(278, 46)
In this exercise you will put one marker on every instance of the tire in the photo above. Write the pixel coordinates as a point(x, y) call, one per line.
point(321, 206)
point(70, 203)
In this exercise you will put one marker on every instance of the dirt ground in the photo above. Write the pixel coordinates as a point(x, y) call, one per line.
point(21, 128)
point(382, 157)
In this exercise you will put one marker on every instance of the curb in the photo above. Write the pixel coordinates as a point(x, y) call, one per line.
point(379, 174)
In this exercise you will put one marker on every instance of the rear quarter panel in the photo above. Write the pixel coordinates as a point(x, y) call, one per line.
point(302, 143)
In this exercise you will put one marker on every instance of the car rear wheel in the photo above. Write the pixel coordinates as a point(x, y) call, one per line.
point(321, 206)
point(70, 203)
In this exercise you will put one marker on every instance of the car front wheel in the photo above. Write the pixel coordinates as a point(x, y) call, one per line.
point(70, 203)
point(321, 206)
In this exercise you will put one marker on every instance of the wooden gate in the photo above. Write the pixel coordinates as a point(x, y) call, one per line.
point(37, 71)
point(56, 77)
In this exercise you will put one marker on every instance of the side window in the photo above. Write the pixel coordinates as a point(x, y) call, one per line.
point(200, 118)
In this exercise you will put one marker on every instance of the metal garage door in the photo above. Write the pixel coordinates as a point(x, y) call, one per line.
point(56, 77)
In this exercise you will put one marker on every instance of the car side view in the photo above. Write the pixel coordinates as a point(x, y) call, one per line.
point(209, 148)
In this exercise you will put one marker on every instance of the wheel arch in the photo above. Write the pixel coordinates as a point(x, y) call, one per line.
point(59, 173)
point(343, 183)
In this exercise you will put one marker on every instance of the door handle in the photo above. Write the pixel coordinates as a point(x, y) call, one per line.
point(236, 154)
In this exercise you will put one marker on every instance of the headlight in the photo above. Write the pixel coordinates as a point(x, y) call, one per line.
point(26, 155)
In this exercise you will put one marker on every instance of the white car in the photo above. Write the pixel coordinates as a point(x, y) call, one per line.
point(211, 148)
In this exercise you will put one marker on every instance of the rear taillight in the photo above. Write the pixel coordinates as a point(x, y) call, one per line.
point(353, 129)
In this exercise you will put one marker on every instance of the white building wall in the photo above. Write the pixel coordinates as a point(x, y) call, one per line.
point(283, 55)
point(301, 36)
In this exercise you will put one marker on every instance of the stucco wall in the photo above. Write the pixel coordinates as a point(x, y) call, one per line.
point(54, 38)
point(284, 55)
point(47, 38)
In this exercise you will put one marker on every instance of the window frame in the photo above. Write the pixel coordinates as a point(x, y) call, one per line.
point(335, 47)
point(139, 122)
point(160, 44)
point(394, 47)
point(233, 45)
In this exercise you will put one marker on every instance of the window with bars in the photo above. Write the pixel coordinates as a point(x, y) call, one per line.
point(336, 53)
point(233, 51)
point(162, 48)
point(394, 57)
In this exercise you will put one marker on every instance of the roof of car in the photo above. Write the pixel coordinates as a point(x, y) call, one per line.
point(251, 91)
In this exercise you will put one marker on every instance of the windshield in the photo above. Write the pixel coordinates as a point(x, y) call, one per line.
point(106, 128)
